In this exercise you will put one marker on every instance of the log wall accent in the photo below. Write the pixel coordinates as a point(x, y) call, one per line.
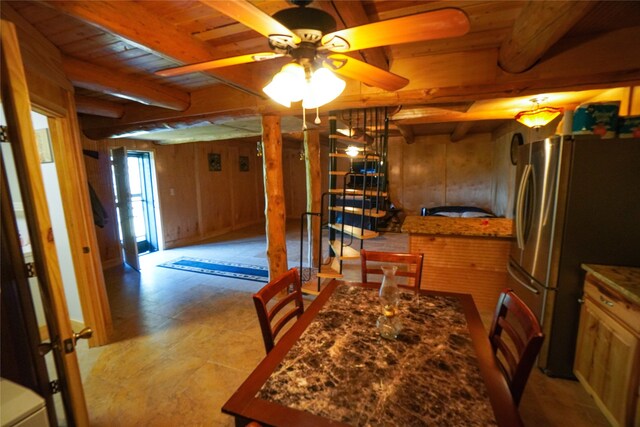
point(473, 265)
point(274, 196)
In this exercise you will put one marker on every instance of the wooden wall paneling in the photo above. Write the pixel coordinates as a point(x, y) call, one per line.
point(424, 181)
point(177, 191)
point(474, 265)
point(287, 154)
point(295, 183)
point(215, 190)
point(245, 209)
point(469, 172)
point(395, 177)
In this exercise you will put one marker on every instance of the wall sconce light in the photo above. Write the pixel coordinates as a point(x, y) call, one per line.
point(538, 116)
point(259, 149)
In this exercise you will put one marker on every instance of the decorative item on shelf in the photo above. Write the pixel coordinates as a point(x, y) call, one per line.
point(538, 116)
point(389, 324)
point(301, 82)
point(259, 149)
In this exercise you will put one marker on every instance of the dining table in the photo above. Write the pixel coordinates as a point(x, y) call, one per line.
point(333, 368)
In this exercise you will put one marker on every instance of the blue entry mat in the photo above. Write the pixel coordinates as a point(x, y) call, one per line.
point(220, 268)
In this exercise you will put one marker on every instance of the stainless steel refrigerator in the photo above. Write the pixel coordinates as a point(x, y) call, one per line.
point(577, 201)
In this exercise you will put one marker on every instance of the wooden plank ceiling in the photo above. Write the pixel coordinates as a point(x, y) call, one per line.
point(111, 50)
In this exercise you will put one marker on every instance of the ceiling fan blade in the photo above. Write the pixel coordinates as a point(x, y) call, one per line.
point(249, 15)
point(423, 26)
point(218, 63)
point(368, 74)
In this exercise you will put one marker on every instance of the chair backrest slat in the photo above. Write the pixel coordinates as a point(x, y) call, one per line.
point(520, 343)
point(413, 263)
point(288, 286)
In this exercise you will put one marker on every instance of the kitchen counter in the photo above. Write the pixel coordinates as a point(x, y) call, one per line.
point(466, 255)
point(445, 226)
point(625, 280)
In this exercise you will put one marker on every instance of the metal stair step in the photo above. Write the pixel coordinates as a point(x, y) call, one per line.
point(359, 156)
point(354, 192)
point(343, 173)
point(356, 232)
point(330, 271)
point(372, 213)
point(348, 140)
point(348, 252)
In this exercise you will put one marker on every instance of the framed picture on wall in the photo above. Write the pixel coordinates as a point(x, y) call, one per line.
point(244, 163)
point(215, 162)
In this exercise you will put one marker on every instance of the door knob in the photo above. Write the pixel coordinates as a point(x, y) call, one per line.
point(85, 334)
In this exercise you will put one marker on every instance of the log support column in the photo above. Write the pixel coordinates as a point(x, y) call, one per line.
point(314, 192)
point(274, 196)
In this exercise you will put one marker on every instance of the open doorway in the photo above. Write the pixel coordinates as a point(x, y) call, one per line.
point(138, 217)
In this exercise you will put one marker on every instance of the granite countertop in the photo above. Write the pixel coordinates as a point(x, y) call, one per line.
point(341, 369)
point(489, 227)
point(625, 280)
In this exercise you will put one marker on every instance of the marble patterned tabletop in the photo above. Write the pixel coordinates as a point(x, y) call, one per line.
point(341, 369)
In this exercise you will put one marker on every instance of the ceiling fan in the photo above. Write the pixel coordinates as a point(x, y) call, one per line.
point(309, 36)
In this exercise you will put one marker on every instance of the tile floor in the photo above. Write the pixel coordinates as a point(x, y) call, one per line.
point(183, 342)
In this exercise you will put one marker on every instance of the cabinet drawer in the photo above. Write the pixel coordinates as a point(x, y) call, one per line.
point(613, 303)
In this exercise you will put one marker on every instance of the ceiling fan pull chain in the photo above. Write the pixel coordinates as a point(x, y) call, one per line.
point(304, 119)
point(317, 120)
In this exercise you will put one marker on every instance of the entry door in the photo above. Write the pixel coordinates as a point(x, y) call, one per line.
point(125, 210)
point(17, 109)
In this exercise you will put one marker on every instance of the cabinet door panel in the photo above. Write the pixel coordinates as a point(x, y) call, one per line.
point(606, 362)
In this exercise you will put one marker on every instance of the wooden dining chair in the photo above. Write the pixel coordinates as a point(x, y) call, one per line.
point(277, 303)
point(516, 338)
point(373, 261)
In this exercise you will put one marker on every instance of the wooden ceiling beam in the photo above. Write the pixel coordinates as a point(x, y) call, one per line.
point(138, 25)
point(99, 79)
point(615, 66)
point(538, 27)
point(461, 130)
point(98, 107)
point(407, 133)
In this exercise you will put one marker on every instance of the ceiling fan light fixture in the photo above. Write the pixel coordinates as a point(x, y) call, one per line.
point(288, 85)
point(538, 116)
point(291, 84)
point(324, 87)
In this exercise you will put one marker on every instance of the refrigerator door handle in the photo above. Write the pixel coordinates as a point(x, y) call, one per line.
point(520, 206)
point(514, 274)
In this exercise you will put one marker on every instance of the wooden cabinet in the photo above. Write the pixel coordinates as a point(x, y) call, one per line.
point(607, 359)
